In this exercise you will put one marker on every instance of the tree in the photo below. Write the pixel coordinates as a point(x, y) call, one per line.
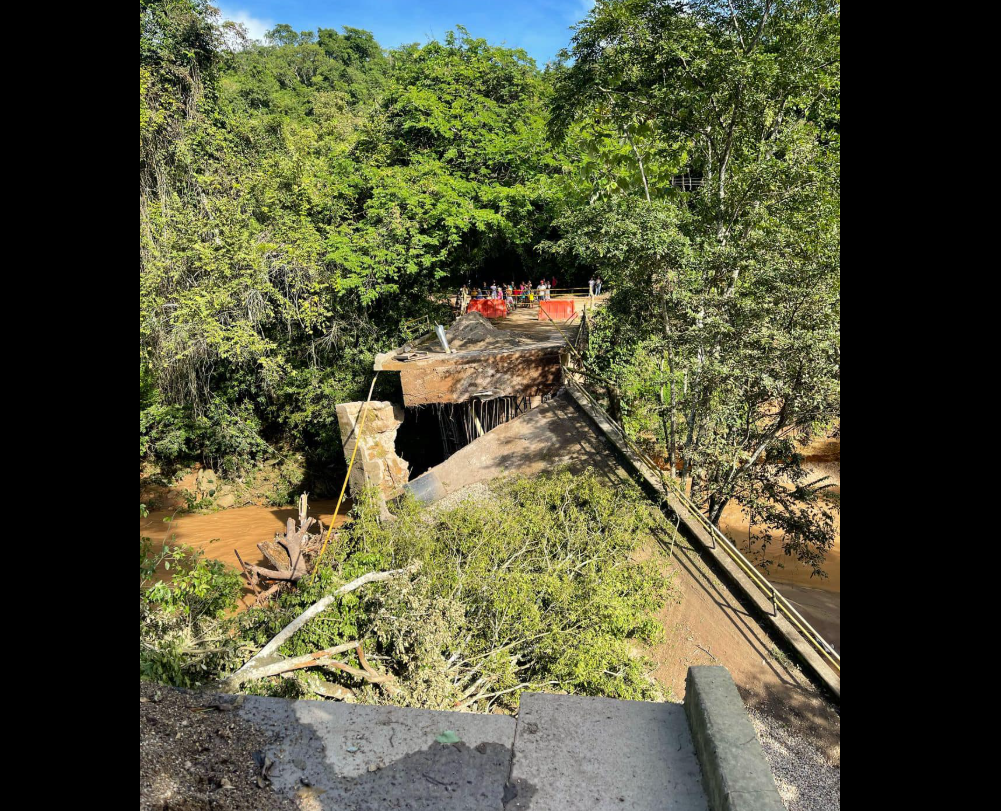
point(724, 334)
point(298, 203)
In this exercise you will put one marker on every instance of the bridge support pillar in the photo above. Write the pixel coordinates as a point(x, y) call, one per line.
point(376, 462)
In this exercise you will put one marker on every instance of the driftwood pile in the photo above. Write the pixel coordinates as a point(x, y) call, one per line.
point(289, 553)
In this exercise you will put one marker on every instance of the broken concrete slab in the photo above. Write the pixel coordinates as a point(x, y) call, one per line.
point(735, 773)
point(599, 753)
point(349, 756)
point(533, 370)
point(554, 434)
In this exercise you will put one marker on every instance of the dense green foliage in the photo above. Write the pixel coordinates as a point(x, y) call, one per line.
point(721, 347)
point(184, 638)
point(302, 198)
point(299, 200)
point(534, 587)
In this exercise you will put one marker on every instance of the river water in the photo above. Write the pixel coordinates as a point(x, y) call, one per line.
point(817, 599)
point(218, 534)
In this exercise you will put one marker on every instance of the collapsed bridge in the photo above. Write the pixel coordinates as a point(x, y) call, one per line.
point(456, 391)
point(494, 400)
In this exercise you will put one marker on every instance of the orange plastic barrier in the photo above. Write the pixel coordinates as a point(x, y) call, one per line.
point(558, 309)
point(489, 307)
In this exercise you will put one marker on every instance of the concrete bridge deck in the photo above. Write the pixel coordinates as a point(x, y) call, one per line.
point(719, 625)
point(556, 433)
point(514, 356)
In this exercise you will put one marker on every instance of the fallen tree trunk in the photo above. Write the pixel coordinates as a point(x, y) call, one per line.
point(316, 608)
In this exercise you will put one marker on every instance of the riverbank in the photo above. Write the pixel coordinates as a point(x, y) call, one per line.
point(816, 598)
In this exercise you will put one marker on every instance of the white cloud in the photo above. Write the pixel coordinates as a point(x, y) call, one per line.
point(256, 27)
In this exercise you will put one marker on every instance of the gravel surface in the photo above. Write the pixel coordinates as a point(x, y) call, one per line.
point(806, 779)
point(476, 492)
point(196, 753)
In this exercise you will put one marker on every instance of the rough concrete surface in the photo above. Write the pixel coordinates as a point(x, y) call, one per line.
point(597, 753)
point(356, 757)
point(554, 434)
point(735, 773)
point(562, 753)
point(528, 371)
point(512, 356)
point(376, 461)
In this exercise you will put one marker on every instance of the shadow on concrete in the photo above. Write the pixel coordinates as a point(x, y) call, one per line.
point(791, 696)
point(736, 613)
point(450, 777)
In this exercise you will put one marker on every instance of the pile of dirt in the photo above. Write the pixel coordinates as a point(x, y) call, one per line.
point(473, 331)
point(195, 752)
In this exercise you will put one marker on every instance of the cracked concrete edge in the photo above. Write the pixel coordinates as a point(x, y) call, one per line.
point(735, 774)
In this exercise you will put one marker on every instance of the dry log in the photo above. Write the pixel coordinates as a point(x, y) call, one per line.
point(277, 554)
point(316, 608)
point(294, 663)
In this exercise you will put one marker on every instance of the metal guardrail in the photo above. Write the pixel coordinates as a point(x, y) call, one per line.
point(779, 603)
point(415, 328)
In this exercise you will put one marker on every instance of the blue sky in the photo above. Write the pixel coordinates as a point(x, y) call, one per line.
point(541, 27)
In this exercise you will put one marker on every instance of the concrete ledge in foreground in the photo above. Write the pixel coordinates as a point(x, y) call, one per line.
point(596, 754)
point(735, 773)
point(331, 755)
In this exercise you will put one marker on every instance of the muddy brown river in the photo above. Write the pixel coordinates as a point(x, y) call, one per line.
point(218, 534)
point(817, 599)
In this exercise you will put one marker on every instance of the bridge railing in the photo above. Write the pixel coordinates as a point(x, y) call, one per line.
point(778, 601)
point(415, 328)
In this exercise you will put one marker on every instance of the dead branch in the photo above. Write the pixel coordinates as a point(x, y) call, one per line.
point(294, 663)
point(251, 578)
point(368, 674)
point(287, 551)
point(317, 608)
point(321, 658)
point(267, 594)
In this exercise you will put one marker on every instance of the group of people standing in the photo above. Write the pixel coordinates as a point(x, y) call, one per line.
point(512, 294)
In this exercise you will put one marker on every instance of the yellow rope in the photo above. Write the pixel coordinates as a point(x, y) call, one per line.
point(363, 413)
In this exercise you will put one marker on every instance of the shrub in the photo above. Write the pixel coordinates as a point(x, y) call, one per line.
point(535, 587)
point(184, 636)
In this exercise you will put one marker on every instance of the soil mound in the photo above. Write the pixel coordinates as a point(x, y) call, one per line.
point(473, 331)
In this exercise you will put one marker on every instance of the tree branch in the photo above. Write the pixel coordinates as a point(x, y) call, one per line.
point(317, 608)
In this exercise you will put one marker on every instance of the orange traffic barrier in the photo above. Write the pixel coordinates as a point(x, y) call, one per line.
point(557, 308)
point(489, 307)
